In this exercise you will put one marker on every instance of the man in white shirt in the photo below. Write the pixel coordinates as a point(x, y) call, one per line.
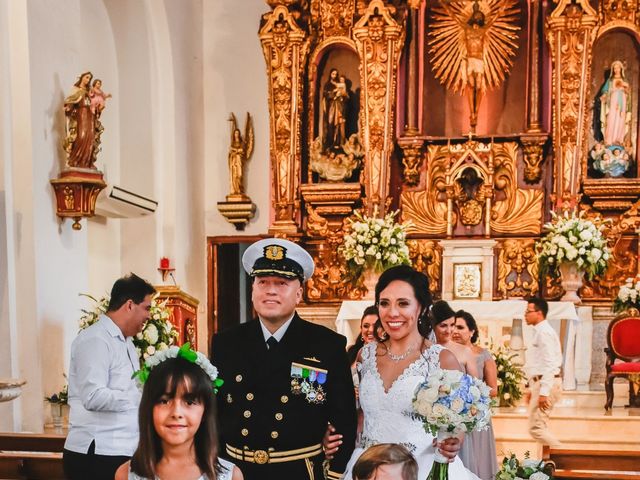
point(543, 364)
point(103, 398)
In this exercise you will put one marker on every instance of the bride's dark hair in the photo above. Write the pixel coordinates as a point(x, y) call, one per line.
point(420, 284)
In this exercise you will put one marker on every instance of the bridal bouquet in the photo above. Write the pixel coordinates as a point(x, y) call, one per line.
point(375, 243)
point(448, 403)
point(628, 295)
point(157, 334)
point(527, 469)
point(573, 238)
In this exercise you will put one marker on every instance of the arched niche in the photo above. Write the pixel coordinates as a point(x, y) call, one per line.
point(332, 98)
point(621, 45)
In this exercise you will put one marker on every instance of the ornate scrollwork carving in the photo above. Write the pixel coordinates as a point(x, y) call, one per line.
point(336, 17)
point(412, 154)
point(619, 11)
point(518, 268)
point(379, 40)
point(570, 34)
point(426, 257)
point(285, 46)
point(533, 156)
point(512, 208)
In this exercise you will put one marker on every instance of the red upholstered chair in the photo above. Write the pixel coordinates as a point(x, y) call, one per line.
point(623, 355)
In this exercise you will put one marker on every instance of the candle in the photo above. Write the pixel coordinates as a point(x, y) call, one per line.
point(164, 263)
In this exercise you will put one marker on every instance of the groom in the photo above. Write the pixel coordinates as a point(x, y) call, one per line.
point(285, 378)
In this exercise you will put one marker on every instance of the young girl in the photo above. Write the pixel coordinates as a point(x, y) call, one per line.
point(386, 461)
point(177, 418)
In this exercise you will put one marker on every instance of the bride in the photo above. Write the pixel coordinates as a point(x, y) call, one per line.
point(391, 370)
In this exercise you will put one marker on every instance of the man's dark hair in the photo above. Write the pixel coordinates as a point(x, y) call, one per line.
point(540, 304)
point(130, 287)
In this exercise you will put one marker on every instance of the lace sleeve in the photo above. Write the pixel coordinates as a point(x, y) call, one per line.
point(368, 358)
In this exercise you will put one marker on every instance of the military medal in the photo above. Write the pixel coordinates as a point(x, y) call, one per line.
point(308, 381)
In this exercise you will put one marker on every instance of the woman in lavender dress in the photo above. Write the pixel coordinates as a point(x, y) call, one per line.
point(482, 445)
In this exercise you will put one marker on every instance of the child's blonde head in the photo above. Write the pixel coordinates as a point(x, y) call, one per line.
point(382, 455)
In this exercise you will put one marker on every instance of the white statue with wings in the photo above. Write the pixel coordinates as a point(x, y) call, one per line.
point(239, 153)
point(472, 44)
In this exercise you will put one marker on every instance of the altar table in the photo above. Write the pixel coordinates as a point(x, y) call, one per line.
point(494, 321)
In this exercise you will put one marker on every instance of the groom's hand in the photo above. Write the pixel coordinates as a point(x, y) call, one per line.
point(331, 442)
point(448, 447)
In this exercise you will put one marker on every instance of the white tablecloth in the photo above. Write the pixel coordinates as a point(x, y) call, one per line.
point(494, 322)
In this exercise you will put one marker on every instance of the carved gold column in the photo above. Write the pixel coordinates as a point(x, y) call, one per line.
point(379, 40)
point(534, 138)
point(285, 46)
point(412, 147)
point(570, 34)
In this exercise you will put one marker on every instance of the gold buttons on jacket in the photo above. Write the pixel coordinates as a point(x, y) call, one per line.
point(278, 416)
point(284, 399)
point(247, 414)
point(249, 396)
point(229, 398)
point(274, 434)
point(244, 432)
point(238, 378)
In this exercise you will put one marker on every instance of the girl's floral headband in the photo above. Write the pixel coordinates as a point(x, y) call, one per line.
point(183, 352)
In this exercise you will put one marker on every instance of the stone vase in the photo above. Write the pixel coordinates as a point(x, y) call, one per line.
point(57, 414)
point(571, 279)
point(370, 279)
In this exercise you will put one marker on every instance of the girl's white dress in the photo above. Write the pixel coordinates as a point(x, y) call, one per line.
point(387, 414)
point(225, 475)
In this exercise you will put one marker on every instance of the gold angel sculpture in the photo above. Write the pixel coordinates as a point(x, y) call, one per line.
point(472, 44)
point(239, 153)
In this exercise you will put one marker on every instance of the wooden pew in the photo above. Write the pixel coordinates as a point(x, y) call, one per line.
point(30, 456)
point(593, 464)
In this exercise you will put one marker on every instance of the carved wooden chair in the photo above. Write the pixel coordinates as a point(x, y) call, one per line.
point(623, 355)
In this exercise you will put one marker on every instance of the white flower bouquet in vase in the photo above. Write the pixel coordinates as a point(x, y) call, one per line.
point(628, 295)
point(573, 246)
point(373, 245)
point(449, 403)
point(157, 334)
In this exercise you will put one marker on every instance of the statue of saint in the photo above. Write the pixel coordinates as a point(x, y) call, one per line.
point(239, 153)
point(612, 124)
point(615, 107)
point(83, 129)
point(335, 99)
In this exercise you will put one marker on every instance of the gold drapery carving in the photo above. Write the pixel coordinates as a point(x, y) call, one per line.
point(513, 209)
point(379, 39)
point(517, 268)
point(285, 46)
point(426, 257)
point(570, 34)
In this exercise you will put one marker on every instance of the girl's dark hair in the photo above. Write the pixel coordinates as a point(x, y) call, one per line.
point(385, 454)
point(471, 323)
point(165, 379)
point(420, 284)
point(352, 351)
point(376, 328)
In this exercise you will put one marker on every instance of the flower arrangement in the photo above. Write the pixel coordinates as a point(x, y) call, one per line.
point(573, 238)
point(61, 397)
point(157, 334)
point(628, 295)
point(376, 243)
point(510, 376)
point(450, 402)
point(527, 469)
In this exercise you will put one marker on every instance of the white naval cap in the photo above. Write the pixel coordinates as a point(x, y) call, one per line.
point(279, 257)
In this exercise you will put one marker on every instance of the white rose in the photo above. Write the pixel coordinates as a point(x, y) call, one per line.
point(429, 395)
point(539, 476)
point(151, 349)
point(457, 405)
point(151, 333)
point(439, 410)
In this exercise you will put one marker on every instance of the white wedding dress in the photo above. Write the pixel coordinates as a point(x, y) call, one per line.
point(387, 414)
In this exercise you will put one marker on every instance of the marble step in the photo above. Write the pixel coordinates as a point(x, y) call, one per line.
point(595, 396)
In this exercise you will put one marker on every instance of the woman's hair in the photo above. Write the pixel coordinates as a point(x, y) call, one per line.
point(352, 351)
point(385, 454)
point(471, 323)
point(164, 379)
point(420, 284)
point(376, 329)
point(441, 311)
point(77, 84)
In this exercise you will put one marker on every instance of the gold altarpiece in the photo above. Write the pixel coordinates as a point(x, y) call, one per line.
point(375, 106)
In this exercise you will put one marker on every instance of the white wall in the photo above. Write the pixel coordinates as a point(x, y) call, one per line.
point(235, 81)
point(176, 69)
